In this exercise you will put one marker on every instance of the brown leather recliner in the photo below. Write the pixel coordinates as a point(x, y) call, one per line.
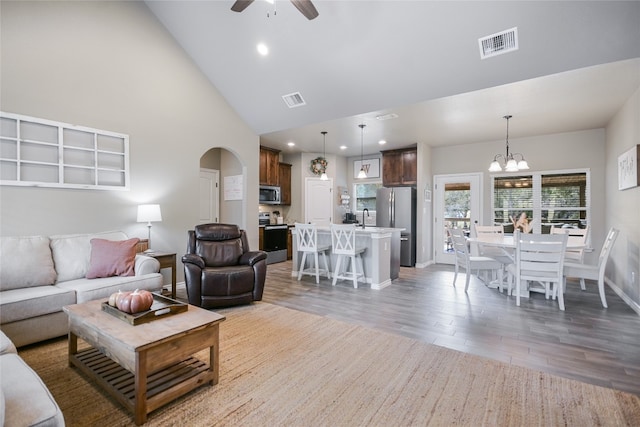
point(219, 268)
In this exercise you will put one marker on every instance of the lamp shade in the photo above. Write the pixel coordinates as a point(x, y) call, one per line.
point(149, 213)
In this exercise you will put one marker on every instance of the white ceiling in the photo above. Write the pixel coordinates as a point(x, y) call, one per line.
point(577, 63)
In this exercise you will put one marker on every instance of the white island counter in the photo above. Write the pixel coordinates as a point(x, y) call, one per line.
point(381, 259)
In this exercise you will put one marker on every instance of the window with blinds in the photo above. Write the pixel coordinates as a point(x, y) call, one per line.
point(549, 199)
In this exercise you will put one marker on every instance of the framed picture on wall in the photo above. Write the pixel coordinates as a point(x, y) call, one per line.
point(371, 167)
point(628, 168)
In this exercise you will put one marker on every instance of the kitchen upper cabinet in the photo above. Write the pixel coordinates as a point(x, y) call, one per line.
point(284, 181)
point(400, 167)
point(269, 170)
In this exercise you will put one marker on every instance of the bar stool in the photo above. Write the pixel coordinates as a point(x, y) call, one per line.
point(343, 244)
point(307, 239)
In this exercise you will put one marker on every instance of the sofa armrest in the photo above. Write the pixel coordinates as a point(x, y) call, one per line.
point(193, 259)
point(146, 265)
point(252, 257)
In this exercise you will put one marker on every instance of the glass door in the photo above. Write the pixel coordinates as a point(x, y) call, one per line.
point(457, 205)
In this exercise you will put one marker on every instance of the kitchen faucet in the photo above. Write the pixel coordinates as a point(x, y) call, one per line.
point(365, 209)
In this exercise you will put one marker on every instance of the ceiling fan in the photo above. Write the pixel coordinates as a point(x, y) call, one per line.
point(304, 6)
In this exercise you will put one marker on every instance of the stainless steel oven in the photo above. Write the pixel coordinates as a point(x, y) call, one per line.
point(275, 242)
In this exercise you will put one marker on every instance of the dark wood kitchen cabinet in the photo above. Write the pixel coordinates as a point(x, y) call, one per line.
point(269, 162)
point(284, 181)
point(400, 167)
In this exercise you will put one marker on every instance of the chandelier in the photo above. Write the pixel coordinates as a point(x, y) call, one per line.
point(510, 164)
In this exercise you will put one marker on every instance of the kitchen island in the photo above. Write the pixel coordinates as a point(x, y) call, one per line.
point(381, 259)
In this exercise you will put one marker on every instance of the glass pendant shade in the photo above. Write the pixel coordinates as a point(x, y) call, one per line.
point(511, 164)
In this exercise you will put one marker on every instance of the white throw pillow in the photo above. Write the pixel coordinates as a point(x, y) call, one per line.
point(72, 252)
point(25, 262)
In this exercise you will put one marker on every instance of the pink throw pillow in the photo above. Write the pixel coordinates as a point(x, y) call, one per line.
point(112, 258)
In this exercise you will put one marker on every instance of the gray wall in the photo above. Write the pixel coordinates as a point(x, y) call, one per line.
point(622, 208)
point(112, 66)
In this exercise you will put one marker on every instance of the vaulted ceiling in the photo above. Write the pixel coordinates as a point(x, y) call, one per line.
point(577, 63)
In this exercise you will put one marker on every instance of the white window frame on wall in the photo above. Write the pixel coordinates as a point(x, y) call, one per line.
point(537, 207)
point(61, 155)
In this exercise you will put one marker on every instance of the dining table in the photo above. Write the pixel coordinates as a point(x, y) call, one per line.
point(507, 243)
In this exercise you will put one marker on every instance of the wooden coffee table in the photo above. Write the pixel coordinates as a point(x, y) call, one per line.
point(148, 365)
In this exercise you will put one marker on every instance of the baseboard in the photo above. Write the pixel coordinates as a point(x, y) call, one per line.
point(425, 264)
point(631, 303)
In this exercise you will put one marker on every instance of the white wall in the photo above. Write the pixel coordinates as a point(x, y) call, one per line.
point(112, 66)
point(623, 207)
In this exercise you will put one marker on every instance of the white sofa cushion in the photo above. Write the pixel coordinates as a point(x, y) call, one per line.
point(25, 262)
point(72, 252)
point(93, 289)
point(19, 304)
point(27, 401)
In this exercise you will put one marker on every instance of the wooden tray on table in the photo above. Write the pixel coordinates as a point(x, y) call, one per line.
point(162, 306)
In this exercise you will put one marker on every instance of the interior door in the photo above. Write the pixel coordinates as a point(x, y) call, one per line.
point(209, 196)
point(457, 204)
point(318, 201)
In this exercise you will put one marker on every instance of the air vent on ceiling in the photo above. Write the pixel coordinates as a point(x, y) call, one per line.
point(498, 43)
point(294, 100)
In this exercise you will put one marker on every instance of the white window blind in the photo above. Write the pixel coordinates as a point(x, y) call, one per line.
point(558, 198)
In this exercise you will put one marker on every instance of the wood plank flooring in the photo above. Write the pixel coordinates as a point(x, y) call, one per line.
point(586, 342)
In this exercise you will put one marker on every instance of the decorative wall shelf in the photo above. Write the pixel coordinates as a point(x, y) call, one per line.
point(44, 153)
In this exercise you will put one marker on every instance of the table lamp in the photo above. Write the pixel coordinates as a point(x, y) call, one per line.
point(149, 213)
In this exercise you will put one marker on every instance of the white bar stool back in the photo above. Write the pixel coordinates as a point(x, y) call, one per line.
point(307, 239)
point(343, 244)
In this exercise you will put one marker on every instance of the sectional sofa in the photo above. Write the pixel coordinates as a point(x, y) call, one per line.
point(39, 275)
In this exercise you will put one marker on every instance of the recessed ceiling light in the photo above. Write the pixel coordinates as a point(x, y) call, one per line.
point(291, 144)
point(387, 116)
point(382, 142)
point(343, 147)
point(262, 49)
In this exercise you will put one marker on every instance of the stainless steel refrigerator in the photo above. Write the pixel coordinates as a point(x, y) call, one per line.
point(396, 207)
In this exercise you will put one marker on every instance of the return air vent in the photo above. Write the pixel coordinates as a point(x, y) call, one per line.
point(498, 43)
point(294, 100)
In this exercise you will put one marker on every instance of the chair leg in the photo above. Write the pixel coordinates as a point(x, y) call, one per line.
point(326, 264)
point(301, 269)
point(354, 271)
point(336, 272)
point(364, 278)
point(466, 283)
point(317, 264)
point(455, 275)
point(582, 286)
point(518, 283)
point(603, 298)
point(558, 286)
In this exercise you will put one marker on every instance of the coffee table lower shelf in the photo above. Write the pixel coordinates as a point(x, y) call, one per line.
point(163, 386)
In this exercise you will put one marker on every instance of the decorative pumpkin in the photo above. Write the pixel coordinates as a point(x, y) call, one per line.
point(134, 302)
point(113, 297)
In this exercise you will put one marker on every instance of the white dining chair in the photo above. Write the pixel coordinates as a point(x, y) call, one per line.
point(579, 235)
point(493, 252)
point(593, 272)
point(539, 258)
point(343, 244)
point(468, 262)
point(307, 240)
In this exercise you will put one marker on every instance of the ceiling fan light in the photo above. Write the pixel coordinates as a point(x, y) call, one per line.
point(362, 174)
point(523, 165)
point(511, 166)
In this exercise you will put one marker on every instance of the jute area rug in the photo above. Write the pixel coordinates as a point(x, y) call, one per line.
point(281, 367)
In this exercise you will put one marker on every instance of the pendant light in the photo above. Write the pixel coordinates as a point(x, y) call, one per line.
point(510, 163)
point(362, 174)
point(324, 176)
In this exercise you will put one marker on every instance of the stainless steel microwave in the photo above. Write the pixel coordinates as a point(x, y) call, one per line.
point(269, 195)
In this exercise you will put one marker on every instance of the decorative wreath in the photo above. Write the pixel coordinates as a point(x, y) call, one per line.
point(318, 165)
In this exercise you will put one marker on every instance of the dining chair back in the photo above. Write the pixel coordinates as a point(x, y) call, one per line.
point(594, 272)
point(343, 244)
point(468, 262)
point(578, 235)
point(540, 258)
point(307, 242)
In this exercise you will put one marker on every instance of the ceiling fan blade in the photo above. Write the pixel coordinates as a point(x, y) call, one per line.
point(306, 8)
point(241, 5)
